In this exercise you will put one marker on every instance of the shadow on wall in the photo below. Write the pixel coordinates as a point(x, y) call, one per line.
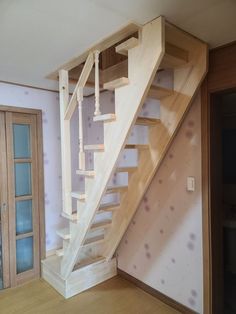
point(162, 246)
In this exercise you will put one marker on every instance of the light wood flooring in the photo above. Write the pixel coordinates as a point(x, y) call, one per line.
point(115, 296)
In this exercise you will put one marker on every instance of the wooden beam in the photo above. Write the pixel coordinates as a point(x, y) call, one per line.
point(101, 46)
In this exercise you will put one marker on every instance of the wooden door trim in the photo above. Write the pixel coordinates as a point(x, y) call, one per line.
point(39, 152)
point(4, 200)
point(221, 77)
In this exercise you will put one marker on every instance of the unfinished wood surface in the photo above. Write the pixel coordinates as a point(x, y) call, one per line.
point(101, 46)
point(114, 72)
point(65, 143)
point(86, 173)
point(175, 56)
point(80, 85)
point(64, 233)
point(120, 82)
point(158, 92)
point(124, 47)
point(144, 61)
point(95, 147)
point(108, 117)
point(186, 82)
point(4, 209)
point(34, 272)
point(109, 206)
point(147, 121)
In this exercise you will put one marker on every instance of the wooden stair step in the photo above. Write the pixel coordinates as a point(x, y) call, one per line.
point(108, 207)
point(101, 225)
point(108, 117)
point(78, 195)
point(117, 188)
point(147, 121)
point(136, 146)
point(158, 92)
point(89, 262)
point(122, 81)
point(60, 252)
point(86, 173)
point(64, 233)
point(93, 240)
point(71, 217)
point(126, 169)
point(174, 56)
point(126, 45)
point(96, 147)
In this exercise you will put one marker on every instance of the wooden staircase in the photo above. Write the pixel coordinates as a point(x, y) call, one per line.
point(95, 228)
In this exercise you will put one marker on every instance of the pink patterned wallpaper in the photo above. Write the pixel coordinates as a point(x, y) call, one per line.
point(163, 245)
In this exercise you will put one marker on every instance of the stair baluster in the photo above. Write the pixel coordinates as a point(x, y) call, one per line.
point(97, 111)
point(81, 136)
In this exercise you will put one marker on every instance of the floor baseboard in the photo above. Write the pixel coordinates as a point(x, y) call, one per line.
point(160, 296)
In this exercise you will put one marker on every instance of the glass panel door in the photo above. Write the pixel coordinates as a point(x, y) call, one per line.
point(23, 196)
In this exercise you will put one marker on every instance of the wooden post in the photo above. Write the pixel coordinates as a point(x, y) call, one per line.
point(97, 111)
point(81, 135)
point(65, 143)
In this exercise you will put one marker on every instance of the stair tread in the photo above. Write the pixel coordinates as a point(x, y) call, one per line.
point(147, 121)
point(102, 224)
point(88, 173)
point(99, 147)
point(108, 206)
point(117, 187)
point(60, 252)
point(105, 117)
point(64, 233)
point(93, 240)
point(174, 56)
point(126, 45)
point(78, 195)
point(126, 169)
point(71, 217)
point(134, 146)
point(122, 81)
point(90, 261)
point(158, 92)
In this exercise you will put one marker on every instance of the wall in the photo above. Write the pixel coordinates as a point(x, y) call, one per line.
point(18, 96)
point(163, 245)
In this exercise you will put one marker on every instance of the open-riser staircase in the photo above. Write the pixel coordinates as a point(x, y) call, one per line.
point(96, 228)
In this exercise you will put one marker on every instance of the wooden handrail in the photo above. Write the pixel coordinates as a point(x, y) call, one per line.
point(80, 84)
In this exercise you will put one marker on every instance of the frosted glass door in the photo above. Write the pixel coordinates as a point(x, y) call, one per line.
point(23, 190)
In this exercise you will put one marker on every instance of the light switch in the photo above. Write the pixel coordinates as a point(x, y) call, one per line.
point(190, 184)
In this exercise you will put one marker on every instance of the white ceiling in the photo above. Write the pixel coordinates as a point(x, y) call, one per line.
point(37, 36)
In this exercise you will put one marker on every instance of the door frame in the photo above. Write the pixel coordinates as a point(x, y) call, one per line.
point(38, 116)
point(221, 77)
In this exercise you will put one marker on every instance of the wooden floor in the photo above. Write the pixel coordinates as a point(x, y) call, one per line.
point(114, 296)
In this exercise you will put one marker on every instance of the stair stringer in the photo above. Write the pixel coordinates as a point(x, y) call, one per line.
point(143, 63)
point(173, 108)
